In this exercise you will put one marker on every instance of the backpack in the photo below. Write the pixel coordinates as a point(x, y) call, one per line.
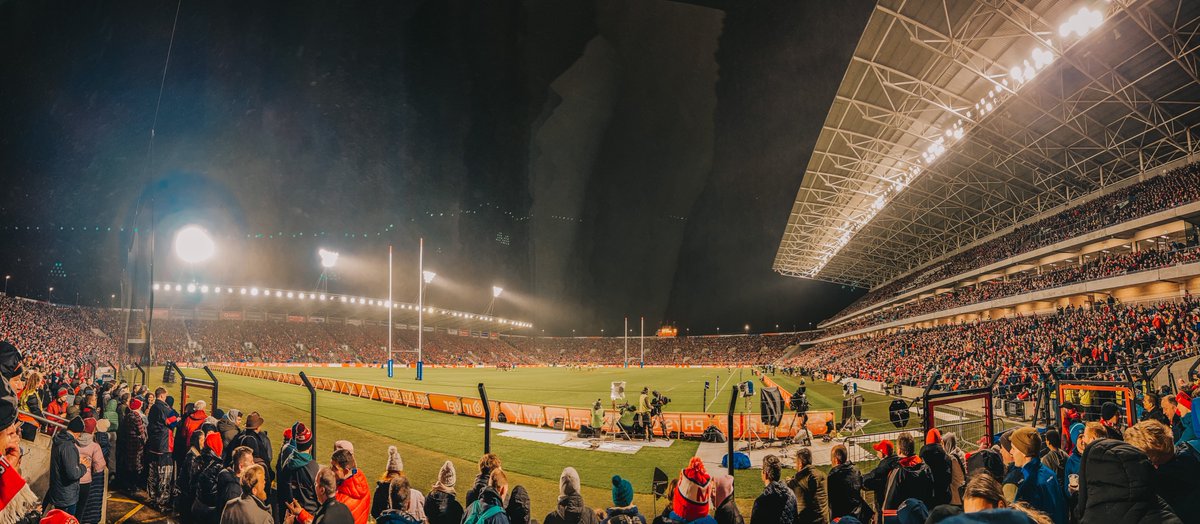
point(475, 516)
point(205, 480)
point(623, 519)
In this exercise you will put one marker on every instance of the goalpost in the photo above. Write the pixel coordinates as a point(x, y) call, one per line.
point(968, 413)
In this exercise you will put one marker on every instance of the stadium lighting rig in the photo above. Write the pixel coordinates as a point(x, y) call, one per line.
point(195, 288)
point(1007, 83)
point(193, 245)
point(328, 258)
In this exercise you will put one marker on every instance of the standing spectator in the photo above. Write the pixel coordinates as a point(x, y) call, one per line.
point(1116, 486)
point(935, 456)
point(519, 509)
point(395, 468)
point(623, 510)
point(809, 484)
point(159, 423)
point(352, 487)
point(1177, 469)
point(1038, 487)
point(230, 425)
point(329, 510)
point(250, 507)
point(911, 480)
point(777, 503)
point(1055, 458)
point(958, 467)
point(571, 509)
point(489, 507)
point(131, 441)
point(1183, 410)
point(1152, 406)
point(231, 479)
point(396, 503)
point(725, 508)
point(488, 463)
point(877, 479)
point(845, 487)
point(91, 499)
point(58, 406)
point(298, 474)
point(257, 440)
point(983, 493)
point(66, 468)
point(17, 501)
point(441, 507)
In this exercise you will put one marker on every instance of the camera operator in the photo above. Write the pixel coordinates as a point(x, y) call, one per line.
point(642, 414)
point(799, 404)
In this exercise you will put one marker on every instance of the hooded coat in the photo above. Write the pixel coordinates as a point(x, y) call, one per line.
point(845, 492)
point(1115, 487)
point(935, 456)
point(131, 440)
point(876, 479)
point(726, 512)
point(776, 505)
point(519, 509)
point(297, 480)
point(912, 480)
point(65, 471)
point(1176, 481)
point(441, 507)
point(571, 510)
point(355, 493)
point(246, 509)
point(487, 498)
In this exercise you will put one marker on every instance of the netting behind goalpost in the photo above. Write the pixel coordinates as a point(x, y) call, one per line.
point(969, 416)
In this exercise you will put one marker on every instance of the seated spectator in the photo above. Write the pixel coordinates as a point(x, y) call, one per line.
point(352, 487)
point(251, 506)
point(777, 503)
point(1177, 468)
point(1116, 486)
point(395, 468)
point(912, 478)
point(725, 508)
point(623, 511)
point(845, 487)
point(329, 510)
point(441, 507)
point(571, 509)
point(397, 503)
point(488, 508)
point(809, 485)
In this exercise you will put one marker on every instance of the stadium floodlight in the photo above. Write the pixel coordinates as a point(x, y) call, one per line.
point(322, 297)
point(243, 291)
point(193, 245)
point(204, 289)
point(254, 291)
point(279, 294)
point(428, 276)
point(1081, 23)
point(178, 287)
point(328, 258)
point(496, 290)
point(157, 286)
point(290, 295)
point(191, 288)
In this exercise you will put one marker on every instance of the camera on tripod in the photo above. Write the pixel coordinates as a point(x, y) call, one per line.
point(657, 401)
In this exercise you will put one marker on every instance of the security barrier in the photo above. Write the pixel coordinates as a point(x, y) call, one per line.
point(688, 424)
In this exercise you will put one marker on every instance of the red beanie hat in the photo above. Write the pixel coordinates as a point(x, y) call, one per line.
point(1183, 399)
point(135, 404)
point(693, 492)
point(213, 441)
point(934, 436)
point(58, 516)
point(884, 446)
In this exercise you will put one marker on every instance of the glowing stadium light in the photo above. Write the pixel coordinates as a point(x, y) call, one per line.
point(496, 290)
point(428, 276)
point(1081, 23)
point(193, 245)
point(279, 294)
point(372, 302)
point(322, 297)
point(217, 289)
point(178, 287)
point(291, 295)
point(254, 291)
point(191, 288)
point(243, 291)
point(204, 289)
point(156, 286)
point(343, 299)
point(328, 258)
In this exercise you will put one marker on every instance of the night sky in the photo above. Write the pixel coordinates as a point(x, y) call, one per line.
point(596, 159)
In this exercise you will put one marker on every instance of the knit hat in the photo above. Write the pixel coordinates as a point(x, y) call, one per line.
point(58, 516)
point(10, 360)
point(934, 436)
point(693, 491)
point(217, 413)
point(1075, 432)
point(1183, 399)
point(884, 446)
point(394, 462)
point(568, 483)
point(75, 425)
point(62, 392)
point(912, 511)
point(722, 488)
point(287, 433)
point(302, 436)
point(446, 478)
point(622, 492)
point(943, 512)
point(344, 444)
point(1108, 410)
point(254, 421)
point(89, 425)
point(213, 441)
point(103, 425)
point(1027, 441)
point(1006, 440)
point(135, 404)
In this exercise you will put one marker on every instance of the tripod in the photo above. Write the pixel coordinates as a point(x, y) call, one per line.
point(753, 440)
point(616, 428)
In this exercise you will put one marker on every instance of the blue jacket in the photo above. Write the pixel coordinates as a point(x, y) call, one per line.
point(1041, 490)
point(1189, 431)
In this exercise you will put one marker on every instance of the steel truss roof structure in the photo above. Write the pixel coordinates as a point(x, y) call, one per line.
point(957, 119)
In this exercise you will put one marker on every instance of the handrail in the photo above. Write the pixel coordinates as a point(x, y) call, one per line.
point(487, 420)
point(729, 438)
point(142, 371)
point(42, 419)
point(312, 408)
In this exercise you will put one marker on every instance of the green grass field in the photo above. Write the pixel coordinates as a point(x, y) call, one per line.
point(426, 439)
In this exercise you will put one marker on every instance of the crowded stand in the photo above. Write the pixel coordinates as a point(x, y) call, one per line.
point(1172, 189)
point(1087, 343)
point(1101, 265)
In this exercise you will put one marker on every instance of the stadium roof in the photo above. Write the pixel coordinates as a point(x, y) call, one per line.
point(958, 119)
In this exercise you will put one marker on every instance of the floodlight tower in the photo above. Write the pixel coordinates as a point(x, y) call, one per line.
point(328, 261)
point(496, 291)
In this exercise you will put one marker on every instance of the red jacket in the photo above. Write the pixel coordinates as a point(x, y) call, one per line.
point(356, 495)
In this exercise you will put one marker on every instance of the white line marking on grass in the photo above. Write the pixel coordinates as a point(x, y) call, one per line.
point(719, 390)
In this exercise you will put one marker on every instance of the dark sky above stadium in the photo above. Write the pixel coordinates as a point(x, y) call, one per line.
point(595, 158)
